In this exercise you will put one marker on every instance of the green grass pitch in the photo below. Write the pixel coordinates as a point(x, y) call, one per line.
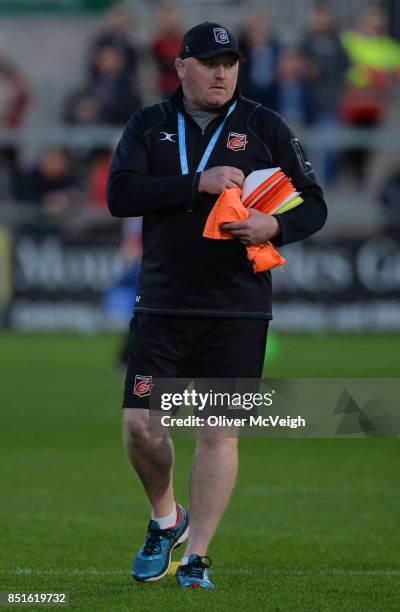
point(312, 524)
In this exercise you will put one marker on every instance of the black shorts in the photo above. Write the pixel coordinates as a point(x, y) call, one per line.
point(191, 347)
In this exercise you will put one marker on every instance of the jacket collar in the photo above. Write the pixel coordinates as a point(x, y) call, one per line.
point(177, 100)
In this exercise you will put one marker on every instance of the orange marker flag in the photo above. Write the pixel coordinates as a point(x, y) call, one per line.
point(227, 209)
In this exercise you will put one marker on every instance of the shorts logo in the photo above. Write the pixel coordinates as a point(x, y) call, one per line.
point(237, 142)
point(143, 385)
point(221, 36)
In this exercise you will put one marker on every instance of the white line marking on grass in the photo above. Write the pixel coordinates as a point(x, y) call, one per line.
point(331, 572)
point(27, 571)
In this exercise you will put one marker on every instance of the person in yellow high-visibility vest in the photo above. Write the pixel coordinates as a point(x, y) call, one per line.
point(374, 55)
point(374, 65)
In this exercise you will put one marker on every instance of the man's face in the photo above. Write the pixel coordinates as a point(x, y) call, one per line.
point(208, 83)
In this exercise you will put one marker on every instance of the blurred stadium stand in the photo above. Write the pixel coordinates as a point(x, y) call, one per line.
point(50, 47)
point(57, 63)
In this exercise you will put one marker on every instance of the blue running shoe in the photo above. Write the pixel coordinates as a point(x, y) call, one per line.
point(194, 575)
point(154, 558)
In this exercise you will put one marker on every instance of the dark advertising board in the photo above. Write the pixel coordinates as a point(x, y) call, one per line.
point(60, 282)
point(345, 285)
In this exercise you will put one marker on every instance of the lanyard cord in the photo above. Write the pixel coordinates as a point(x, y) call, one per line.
point(209, 148)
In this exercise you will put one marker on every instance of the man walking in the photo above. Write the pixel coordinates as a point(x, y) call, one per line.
point(201, 311)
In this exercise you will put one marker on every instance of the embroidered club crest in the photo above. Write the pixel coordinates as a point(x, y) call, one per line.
point(237, 142)
point(221, 36)
point(143, 385)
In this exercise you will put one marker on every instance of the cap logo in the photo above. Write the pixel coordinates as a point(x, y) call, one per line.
point(221, 36)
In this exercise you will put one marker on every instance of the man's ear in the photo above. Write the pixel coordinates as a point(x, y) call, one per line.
point(180, 67)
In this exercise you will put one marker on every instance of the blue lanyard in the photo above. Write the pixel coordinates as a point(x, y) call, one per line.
point(210, 146)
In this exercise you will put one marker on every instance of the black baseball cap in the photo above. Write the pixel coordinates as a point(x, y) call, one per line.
point(209, 40)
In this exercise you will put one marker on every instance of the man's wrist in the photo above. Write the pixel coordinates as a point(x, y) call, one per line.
point(277, 227)
point(200, 188)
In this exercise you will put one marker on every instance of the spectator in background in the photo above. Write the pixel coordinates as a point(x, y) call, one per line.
point(390, 199)
point(109, 98)
point(327, 65)
point(131, 253)
point(115, 35)
point(51, 184)
point(97, 180)
point(261, 50)
point(290, 93)
point(112, 87)
point(165, 49)
point(375, 61)
point(14, 99)
point(82, 108)
point(111, 94)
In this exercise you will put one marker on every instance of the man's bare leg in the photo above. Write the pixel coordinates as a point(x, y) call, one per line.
point(211, 483)
point(152, 458)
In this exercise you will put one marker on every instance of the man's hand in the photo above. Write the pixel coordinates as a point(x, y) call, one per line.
point(216, 179)
point(258, 228)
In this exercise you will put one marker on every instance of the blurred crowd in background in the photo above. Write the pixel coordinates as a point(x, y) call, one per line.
point(334, 76)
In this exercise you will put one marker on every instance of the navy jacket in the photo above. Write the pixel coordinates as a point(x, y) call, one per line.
point(184, 274)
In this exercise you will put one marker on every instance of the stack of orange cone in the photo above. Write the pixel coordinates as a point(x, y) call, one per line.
point(269, 191)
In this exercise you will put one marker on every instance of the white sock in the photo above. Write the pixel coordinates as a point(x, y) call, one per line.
point(185, 560)
point(166, 521)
